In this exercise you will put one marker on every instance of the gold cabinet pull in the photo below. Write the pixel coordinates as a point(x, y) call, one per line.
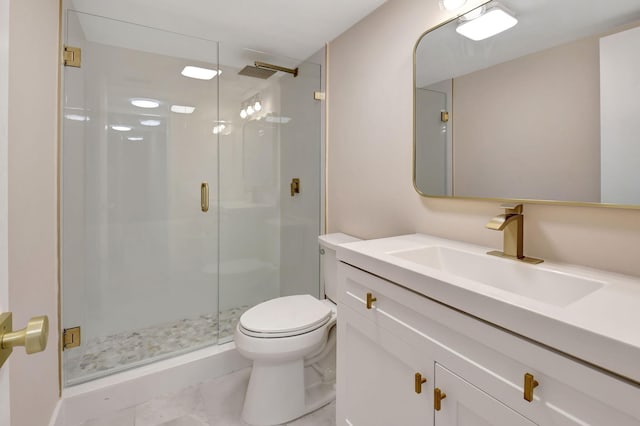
point(204, 196)
point(419, 382)
point(529, 385)
point(438, 396)
point(33, 337)
point(370, 300)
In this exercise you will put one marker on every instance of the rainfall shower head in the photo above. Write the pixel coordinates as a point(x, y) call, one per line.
point(256, 72)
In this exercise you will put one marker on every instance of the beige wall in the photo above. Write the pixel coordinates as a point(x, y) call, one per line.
point(370, 190)
point(523, 126)
point(33, 85)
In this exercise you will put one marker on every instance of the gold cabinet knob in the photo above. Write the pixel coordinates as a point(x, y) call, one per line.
point(529, 385)
point(419, 382)
point(370, 300)
point(33, 337)
point(438, 396)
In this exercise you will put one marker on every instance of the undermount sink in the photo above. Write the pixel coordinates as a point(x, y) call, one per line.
point(535, 282)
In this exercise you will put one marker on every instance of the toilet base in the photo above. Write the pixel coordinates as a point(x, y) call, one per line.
point(280, 393)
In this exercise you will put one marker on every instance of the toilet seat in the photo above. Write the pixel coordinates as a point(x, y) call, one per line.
point(285, 317)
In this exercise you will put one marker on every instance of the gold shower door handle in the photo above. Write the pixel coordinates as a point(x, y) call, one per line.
point(204, 197)
point(33, 337)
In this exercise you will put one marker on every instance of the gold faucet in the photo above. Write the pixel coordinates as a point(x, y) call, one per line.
point(512, 225)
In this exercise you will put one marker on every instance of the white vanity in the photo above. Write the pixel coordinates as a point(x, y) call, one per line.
point(436, 332)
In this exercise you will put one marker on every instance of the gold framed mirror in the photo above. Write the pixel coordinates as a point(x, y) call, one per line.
point(547, 111)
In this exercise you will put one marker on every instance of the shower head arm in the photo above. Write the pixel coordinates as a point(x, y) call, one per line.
point(265, 65)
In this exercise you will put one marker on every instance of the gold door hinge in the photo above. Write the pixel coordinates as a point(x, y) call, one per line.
point(72, 56)
point(319, 96)
point(295, 186)
point(71, 338)
point(444, 116)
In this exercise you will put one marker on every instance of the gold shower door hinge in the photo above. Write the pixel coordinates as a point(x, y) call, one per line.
point(71, 338)
point(295, 186)
point(444, 116)
point(72, 56)
point(319, 96)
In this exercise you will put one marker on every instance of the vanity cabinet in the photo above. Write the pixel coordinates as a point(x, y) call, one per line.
point(388, 334)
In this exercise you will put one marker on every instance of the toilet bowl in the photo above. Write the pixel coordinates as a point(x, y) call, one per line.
point(291, 341)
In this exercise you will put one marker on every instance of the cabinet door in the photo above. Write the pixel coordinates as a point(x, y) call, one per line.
point(376, 371)
point(466, 405)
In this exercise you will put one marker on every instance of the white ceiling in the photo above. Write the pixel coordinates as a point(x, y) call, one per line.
point(292, 28)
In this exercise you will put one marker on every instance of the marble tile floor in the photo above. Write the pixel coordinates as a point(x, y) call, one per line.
point(214, 403)
point(118, 351)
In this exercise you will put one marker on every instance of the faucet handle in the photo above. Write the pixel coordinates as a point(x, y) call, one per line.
point(514, 208)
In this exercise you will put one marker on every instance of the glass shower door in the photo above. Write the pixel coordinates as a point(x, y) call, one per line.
point(272, 135)
point(138, 162)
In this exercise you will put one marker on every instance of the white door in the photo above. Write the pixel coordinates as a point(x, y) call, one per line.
point(4, 285)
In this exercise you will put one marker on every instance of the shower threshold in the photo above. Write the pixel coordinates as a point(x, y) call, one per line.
point(103, 356)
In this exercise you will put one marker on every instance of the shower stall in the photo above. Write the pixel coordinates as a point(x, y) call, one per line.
point(177, 206)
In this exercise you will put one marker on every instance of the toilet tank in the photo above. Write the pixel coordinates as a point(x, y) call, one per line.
point(328, 245)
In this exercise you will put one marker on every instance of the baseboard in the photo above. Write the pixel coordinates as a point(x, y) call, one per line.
point(57, 417)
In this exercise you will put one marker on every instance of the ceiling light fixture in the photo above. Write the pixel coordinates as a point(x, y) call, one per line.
point(277, 120)
point(493, 20)
point(120, 128)
point(251, 106)
point(182, 109)
point(150, 123)
point(199, 73)
point(145, 103)
point(219, 128)
point(452, 4)
point(76, 117)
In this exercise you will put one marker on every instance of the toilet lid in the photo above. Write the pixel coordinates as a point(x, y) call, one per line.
point(286, 316)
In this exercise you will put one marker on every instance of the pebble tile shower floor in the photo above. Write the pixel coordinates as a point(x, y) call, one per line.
point(113, 353)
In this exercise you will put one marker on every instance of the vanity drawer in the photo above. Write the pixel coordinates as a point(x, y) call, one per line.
point(365, 293)
point(492, 358)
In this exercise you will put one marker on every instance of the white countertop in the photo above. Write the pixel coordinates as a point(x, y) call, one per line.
point(602, 328)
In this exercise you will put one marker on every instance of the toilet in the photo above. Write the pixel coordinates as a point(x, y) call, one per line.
point(292, 343)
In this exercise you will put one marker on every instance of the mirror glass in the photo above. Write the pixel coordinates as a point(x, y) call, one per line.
point(547, 110)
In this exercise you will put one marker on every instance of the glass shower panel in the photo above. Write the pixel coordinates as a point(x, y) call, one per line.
point(139, 254)
point(272, 134)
